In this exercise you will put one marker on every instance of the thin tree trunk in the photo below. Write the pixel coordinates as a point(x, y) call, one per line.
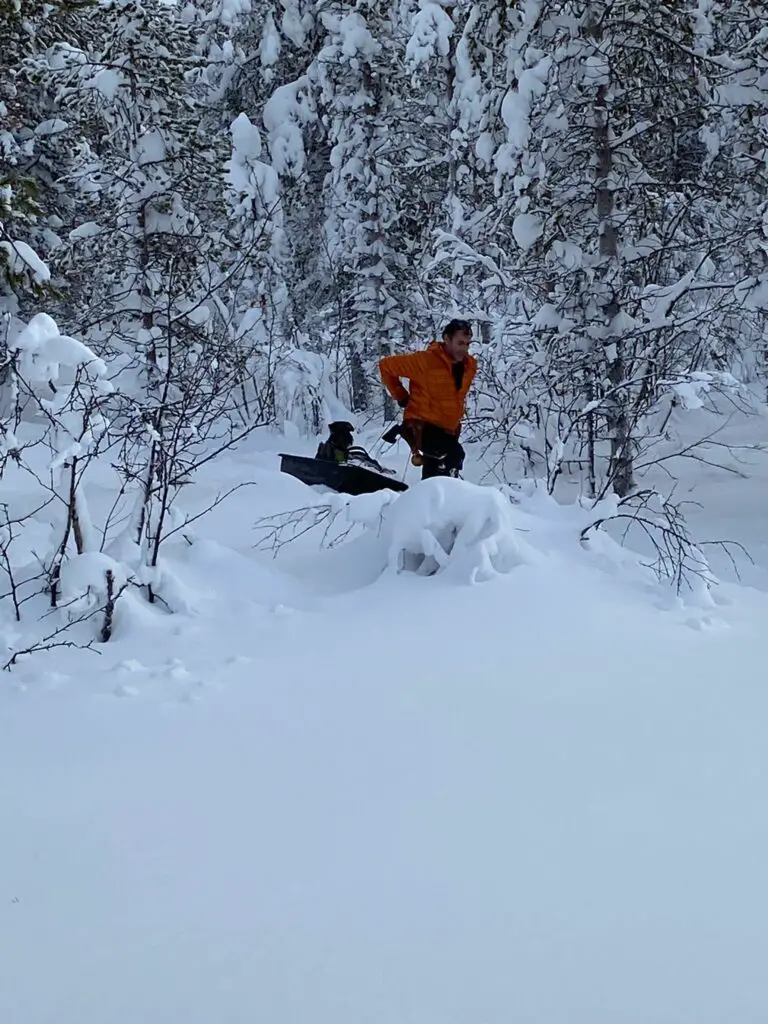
point(74, 513)
point(390, 409)
point(359, 384)
point(72, 526)
point(621, 469)
point(591, 434)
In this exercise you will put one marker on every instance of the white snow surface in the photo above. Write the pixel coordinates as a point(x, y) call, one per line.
point(341, 785)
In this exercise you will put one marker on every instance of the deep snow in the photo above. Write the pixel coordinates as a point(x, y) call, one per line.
point(332, 793)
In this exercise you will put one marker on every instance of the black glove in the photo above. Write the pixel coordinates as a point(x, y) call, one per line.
point(392, 434)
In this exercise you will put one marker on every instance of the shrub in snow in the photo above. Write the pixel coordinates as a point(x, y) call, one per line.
point(463, 531)
point(471, 533)
point(340, 517)
point(48, 542)
point(74, 421)
point(91, 582)
point(657, 531)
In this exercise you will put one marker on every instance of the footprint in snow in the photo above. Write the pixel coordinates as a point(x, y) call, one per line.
point(121, 690)
point(193, 695)
point(55, 680)
point(282, 610)
point(132, 665)
point(177, 670)
point(706, 622)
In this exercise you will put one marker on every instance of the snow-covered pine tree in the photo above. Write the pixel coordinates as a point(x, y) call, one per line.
point(138, 219)
point(355, 73)
point(254, 302)
point(258, 66)
point(278, 166)
point(279, 163)
point(36, 149)
point(731, 47)
point(606, 182)
point(278, 42)
point(457, 54)
point(32, 155)
point(346, 138)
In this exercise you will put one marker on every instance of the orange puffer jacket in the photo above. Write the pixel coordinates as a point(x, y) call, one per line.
point(433, 397)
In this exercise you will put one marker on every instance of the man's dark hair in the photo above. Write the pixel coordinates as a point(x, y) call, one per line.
point(455, 326)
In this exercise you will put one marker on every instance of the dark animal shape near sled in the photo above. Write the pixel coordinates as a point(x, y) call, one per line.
point(344, 477)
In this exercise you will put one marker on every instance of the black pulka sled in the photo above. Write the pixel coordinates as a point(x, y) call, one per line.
point(341, 465)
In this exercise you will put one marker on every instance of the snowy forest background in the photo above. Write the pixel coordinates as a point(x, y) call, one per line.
point(216, 217)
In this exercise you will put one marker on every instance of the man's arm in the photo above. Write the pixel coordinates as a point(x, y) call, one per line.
point(392, 368)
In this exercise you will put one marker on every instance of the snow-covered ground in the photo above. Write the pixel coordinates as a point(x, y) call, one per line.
point(332, 793)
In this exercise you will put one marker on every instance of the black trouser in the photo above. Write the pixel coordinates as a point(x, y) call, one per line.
point(443, 455)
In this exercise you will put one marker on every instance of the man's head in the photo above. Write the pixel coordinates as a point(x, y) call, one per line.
point(457, 337)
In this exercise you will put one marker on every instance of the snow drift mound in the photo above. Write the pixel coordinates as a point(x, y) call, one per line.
point(470, 534)
point(455, 528)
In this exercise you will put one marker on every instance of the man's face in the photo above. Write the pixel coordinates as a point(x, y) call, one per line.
point(457, 347)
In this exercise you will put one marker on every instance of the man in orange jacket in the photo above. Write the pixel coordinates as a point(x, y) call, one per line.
point(439, 377)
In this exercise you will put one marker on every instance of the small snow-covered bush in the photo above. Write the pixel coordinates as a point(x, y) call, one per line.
point(87, 580)
point(57, 405)
point(463, 531)
point(93, 582)
point(468, 534)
